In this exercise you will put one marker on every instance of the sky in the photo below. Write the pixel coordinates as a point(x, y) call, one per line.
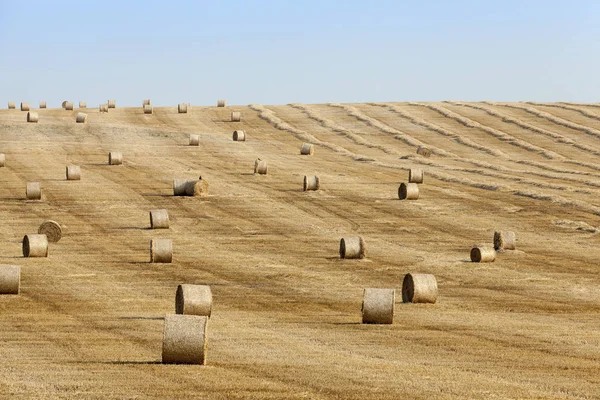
point(279, 52)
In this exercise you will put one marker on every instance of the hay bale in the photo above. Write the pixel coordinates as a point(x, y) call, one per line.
point(505, 240)
point(221, 103)
point(10, 279)
point(159, 219)
point(193, 300)
point(483, 254)
point(194, 140)
point(408, 191)
point(115, 158)
point(197, 188)
point(68, 106)
point(12, 105)
point(52, 230)
point(261, 167)
point(239, 136)
point(2, 160)
point(73, 172)
point(179, 186)
point(182, 108)
point(35, 246)
point(64, 104)
point(32, 117)
point(82, 104)
point(161, 250)
point(419, 288)
point(148, 109)
point(103, 108)
point(307, 149)
point(424, 151)
point(33, 191)
point(353, 247)
point(378, 306)
point(24, 106)
point(185, 339)
point(415, 175)
point(312, 183)
point(236, 116)
point(112, 104)
point(146, 102)
point(43, 104)
point(81, 118)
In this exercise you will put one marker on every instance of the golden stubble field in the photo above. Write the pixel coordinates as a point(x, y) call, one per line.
point(286, 315)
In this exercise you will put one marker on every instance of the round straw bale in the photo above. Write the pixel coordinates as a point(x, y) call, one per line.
point(311, 183)
point(82, 104)
point(185, 339)
point(378, 306)
point(193, 300)
point(52, 230)
point(408, 191)
point(73, 172)
point(221, 103)
point(161, 250)
point(261, 167)
point(24, 106)
point(2, 159)
point(112, 104)
point(43, 104)
point(483, 254)
point(35, 246)
point(419, 288)
point(424, 151)
point(197, 188)
point(239, 136)
point(12, 105)
point(10, 279)
point(179, 186)
point(64, 104)
point(182, 108)
point(32, 117)
point(236, 116)
point(33, 191)
point(115, 158)
point(159, 219)
point(504, 240)
point(353, 247)
point(307, 149)
point(103, 108)
point(415, 175)
point(69, 106)
point(81, 118)
point(146, 102)
point(148, 109)
point(194, 140)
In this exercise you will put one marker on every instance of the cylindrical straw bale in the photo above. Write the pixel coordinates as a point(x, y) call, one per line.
point(51, 229)
point(2, 159)
point(419, 288)
point(311, 183)
point(261, 167)
point(146, 102)
point(115, 158)
point(148, 109)
point(35, 246)
point(307, 149)
point(378, 306)
point(33, 191)
point(64, 104)
point(194, 140)
point(504, 240)
point(408, 191)
point(221, 103)
point(415, 175)
point(193, 300)
point(353, 247)
point(112, 104)
point(185, 339)
point(161, 250)
point(25, 106)
point(69, 106)
point(236, 116)
point(32, 117)
point(12, 105)
point(483, 254)
point(424, 151)
point(81, 118)
point(239, 136)
point(43, 104)
point(197, 188)
point(179, 186)
point(159, 219)
point(103, 108)
point(182, 108)
point(82, 104)
point(10, 279)
point(73, 172)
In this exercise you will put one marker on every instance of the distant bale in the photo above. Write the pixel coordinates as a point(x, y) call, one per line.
point(352, 247)
point(378, 306)
point(239, 136)
point(415, 175)
point(24, 106)
point(43, 104)
point(197, 188)
point(311, 183)
point(236, 116)
point(424, 151)
point(161, 250)
point(35, 246)
point(504, 240)
point(68, 106)
point(179, 186)
point(193, 300)
point(112, 104)
point(52, 230)
point(146, 102)
point(103, 108)
point(182, 108)
point(408, 191)
point(159, 219)
point(185, 339)
point(261, 167)
point(33, 191)
point(10, 279)
point(148, 109)
point(81, 118)
point(2, 160)
point(82, 104)
point(73, 172)
point(307, 149)
point(419, 288)
point(64, 104)
point(194, 140)
point(483, 254)
point(115, 158)
point(12, 105)
point(221, 103)
point(32, 117)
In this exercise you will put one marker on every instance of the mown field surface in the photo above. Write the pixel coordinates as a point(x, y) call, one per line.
point(286, 315)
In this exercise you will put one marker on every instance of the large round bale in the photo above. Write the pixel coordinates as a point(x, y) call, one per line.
point(185, 339)
point(32, 117)
point(35, 246)
point(33, 191)
point(193, 300)
point(352, 247)
point(236, 116)
point(161, 250)
point(221, 103)
point(261, 167)
point(73, 172)
point(12, 105)
point(182, 108)
point(82, 104)
point(2, 160)
point(112, 104)
point(148, 109)
point(415, 175)
point(103, 108)
point(179, 186)
point(408, 191)
point(10, 279)
point(43, 104)
point(505, 240)
point(239, 136)
point(64, 104)
point(159, 219)
point(378, 306)
point(146, 102)
point(419, 288)
point(51, 229)
point(194, 140)
point(483, 254)
point(424, 151)
point(81, 118)
point(312, 183)
point(307, 149)
point(68, 106)
point(25, 106)
point(115, 158)
point(197, 188)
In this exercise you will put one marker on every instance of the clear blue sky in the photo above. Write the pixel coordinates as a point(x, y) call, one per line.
point(276, 52)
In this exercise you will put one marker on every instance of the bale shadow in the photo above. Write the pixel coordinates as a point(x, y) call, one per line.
point(157, 195)
point(119, 362)
point(143, 318)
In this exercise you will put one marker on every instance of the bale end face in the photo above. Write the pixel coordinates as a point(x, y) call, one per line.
point(52, 230)
point(504, 240)
point(419, 288)
point(193, 300)
point(35, 246)
point(408, 191)
point(378, 306)
point(483, 254)
point(10, 279)
point(185, 339)
point(197, 188)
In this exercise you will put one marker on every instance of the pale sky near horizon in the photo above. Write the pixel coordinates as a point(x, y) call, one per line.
point(278, 52)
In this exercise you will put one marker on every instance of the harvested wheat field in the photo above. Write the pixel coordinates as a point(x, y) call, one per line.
point(286, 312)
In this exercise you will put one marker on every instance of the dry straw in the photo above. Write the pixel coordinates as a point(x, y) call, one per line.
point(51, 229)
point(10, 279)
point(33, 191)
point(221, 103)
point(67, 105)
point(35, 246)
point(112, 104)
point(82, 104)
point(261, 167)
point(424, 151)
point(159, 219)
point(194, 140)
point(353, 247)
point(185, 339)
point(103, 108)
point(504, 240)
point(43, 104)
point(311, 183)
point(193, 300)
point(148, 109)
point(307, 149)
point(2, 159)
point(81, 118)
point(197, 188)
point(415, 175)
point(25, 106)
point(483, 254)
point(236, 116)
point(161, 250)
point(12, 105)
point(239, 136)
point(182, 108)
point(419, 288)
point(73, 172)
point(378, 306)
point(146, 102)
point(115, 158)
point(408, 191)
point(32, 117)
